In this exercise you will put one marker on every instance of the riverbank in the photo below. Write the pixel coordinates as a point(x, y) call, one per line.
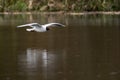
point(68, 13)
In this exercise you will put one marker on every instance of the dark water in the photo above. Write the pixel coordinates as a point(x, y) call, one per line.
point(88, 48)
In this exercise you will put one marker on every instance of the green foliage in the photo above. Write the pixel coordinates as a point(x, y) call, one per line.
point(20, 5)
point(94, 5)
point(70, 5)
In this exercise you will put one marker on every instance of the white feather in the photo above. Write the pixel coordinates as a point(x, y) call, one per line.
point(40, 28)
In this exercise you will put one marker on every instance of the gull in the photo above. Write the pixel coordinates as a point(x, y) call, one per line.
point(40, 28)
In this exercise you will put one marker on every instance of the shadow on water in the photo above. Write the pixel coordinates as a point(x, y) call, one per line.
point(87, 48)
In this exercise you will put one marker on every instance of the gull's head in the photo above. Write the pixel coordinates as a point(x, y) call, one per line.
point(47, 28)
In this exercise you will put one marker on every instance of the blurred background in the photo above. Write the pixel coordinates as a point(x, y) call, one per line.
point(59, 5)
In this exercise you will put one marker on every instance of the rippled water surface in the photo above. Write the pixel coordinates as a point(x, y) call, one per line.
point(88, 48)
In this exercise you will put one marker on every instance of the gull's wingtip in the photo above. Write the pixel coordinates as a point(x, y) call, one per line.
point(61, 24)
point(18, 26)
point(64, 26)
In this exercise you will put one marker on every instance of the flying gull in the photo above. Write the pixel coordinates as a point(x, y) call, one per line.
point(40, 28)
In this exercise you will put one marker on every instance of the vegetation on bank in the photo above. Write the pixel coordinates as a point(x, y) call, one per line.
point(59, 5)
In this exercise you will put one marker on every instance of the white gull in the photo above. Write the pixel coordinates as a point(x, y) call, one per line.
point(40, 28)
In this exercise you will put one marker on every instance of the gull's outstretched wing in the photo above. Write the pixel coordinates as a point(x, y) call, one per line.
point(53, 24)
point(31, 25)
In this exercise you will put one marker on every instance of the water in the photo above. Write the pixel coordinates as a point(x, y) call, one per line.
point(86, 49)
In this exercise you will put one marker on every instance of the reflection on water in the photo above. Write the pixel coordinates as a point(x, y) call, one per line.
point(36, 62)
point(31, 60)
point(87, 49)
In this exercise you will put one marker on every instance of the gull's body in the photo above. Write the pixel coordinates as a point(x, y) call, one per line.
point(40, 28)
